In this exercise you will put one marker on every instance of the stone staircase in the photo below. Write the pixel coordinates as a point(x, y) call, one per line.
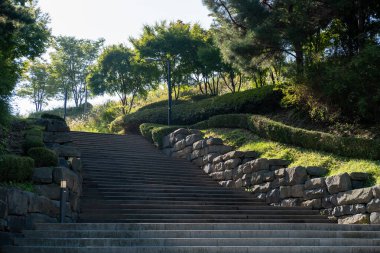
point(135, 199)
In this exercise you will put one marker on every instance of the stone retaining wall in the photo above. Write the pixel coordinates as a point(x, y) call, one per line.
point(342, 197)
point(20, 209)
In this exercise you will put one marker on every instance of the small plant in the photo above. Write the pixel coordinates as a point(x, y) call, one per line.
point(43, 157)
point(31, 141)
point(15, 168)
point(51, 116)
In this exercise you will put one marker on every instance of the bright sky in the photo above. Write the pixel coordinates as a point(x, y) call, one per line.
point(113, 20)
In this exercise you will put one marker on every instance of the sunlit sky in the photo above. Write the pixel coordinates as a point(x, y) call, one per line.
point(113, 20)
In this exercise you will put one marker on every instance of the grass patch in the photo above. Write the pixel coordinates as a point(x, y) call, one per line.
point(245, 140)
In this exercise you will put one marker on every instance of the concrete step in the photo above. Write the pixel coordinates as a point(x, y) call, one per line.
point(132, 242)
point(200, 234)
point(197, 249)
point(104, 219)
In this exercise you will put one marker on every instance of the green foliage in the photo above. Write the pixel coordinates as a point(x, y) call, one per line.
point(256, 100)
point(245, 140)
point(34, 132)
point(32, 141)
point(352, 86)
point(156, 132)
point(229, 121)
point(43, 157)
point(51, 116)
point(345, 146)
point(24, 186)
point(15, 168)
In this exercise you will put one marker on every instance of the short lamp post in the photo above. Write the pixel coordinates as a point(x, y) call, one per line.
point(168, 64)
point(62, 205)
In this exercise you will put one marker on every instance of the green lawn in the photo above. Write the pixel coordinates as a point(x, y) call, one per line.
point(245, 140)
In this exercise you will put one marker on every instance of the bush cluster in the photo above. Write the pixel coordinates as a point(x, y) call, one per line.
point(251, 101)
point(51, 116)
point(15, 168)
point(344, 146)
point(156, 132)
point(43, 157)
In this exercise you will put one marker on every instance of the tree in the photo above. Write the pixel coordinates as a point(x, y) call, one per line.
point(120, 72)
point(23, 35)
point(70, 66)
point(37, 87)
point(169, 42)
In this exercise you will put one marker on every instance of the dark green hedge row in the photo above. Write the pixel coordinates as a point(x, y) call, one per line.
point(15, 168)
point(345, 146)
point(250, 101)
point(43, 157)
point(224, 121)
point(156, 132)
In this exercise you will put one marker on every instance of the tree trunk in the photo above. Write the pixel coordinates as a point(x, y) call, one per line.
point(299, 58)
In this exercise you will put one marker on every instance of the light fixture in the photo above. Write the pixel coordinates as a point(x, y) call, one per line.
point(63, 184)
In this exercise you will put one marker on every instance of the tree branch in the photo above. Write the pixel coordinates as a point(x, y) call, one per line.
point(230, 16)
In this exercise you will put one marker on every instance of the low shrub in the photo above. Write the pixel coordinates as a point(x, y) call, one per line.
point(156, 132)
point(43, 157)
point(16, 168)
point(251, 101)
point(344, 146)
point(229, 121)
point(32, 142)
point(51, 116)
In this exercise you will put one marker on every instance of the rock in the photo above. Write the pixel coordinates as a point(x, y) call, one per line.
point(358, 196)
point(221, 149)
point(199, 144)
point(348, 210)
point(233, 155)
point(219, 167)
point(195, 131)
point(250, 154)
point(257, 177)
point(262, 188)
point(246, 168)
point(245, 160)
point(210, 157)
point(62, 162)
point(166, 142)
point(208, 168)
point(67, 151)
point(338, 183)
point(268, 176)
point(57, 126)
point(230, 184)
point(214, 141)
point(51, 191)
point(167, 151)
point(316, 171)
point(376, 191)
point(296, 175)
point(289, 202)
point(273, 196)
point(16, 223)
point(280, 173)
point(357, 184)
point(57, 137)
point(315, 183)
point(41, 204)
point(259, 164)
point(177, 138)
point(279, 162)
point(375, 218)
point(217, 175)
point(297, 191)
point(43, 175)
point(328, 202)
point(355, 219)
point(315, 193)
point(359, 176)
point(75, 164)
point(197, 153)
point(373, 206)
point(232, 163)
point(239, 183)
point(184, 153)
point(179, 145)
point(218, 159)
point(33, 218)
point(314, 203)
point(17, 202)
point(285, 192)
point(228, 174)
point(73, 182)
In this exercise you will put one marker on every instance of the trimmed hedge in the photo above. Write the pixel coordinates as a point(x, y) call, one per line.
point(51, 116)
point(156, 132)
point(224, 121)
point(251, 101)
point(344, 146)
point(43, 157)
point(32, 141)
point(15, 168)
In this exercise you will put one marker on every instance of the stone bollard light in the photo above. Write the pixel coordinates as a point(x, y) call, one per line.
point(62, 201)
